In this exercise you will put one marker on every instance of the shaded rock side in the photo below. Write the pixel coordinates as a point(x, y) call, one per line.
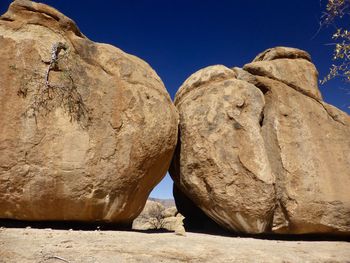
point(220, 136)
point(86, 130)
point(195, 219)
point(296, 147)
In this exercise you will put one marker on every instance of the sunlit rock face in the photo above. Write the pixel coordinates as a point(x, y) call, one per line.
point(86, 130)
point(259, 150)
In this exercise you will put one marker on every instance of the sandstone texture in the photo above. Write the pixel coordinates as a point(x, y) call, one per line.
point(259, 150)
point(86, 130)
point(55, 246)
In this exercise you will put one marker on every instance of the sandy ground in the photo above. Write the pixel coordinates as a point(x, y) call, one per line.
point(19, 245)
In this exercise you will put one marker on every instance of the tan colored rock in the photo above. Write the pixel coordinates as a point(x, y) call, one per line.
point(286, 151)
point(169, 212)
point(222, 153)
point(308, 144)
point(175, 223)
point(86, 130)
point(203, 77)
point(298, 72)
point(281, 53)
point(309, 152)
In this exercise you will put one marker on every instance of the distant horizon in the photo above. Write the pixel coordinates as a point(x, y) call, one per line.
point(155, 198)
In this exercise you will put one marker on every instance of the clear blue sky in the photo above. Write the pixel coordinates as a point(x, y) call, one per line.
point(180, 37)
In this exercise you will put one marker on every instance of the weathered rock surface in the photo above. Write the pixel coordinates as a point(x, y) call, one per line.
point(299, 74)
point(86, 130)
point(156, 216)
point(43, 245)
point(309, 151)
point(282, 53)
point(220, 132)
point(260, 151)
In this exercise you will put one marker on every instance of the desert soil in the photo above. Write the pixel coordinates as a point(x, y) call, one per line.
point(50, 246)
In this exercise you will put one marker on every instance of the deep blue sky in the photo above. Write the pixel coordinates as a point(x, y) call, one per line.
point(180, 37)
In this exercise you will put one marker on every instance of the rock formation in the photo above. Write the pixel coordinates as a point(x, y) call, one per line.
point(86, 130)
point(260, 151)
point(156, 216)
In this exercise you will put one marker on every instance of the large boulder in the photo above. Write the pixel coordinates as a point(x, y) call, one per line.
point(220, 133)
point(308, 144)
point(86, 130)
point(259, 150)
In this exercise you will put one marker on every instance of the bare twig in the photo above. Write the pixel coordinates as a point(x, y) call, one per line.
point(57, 257)
point(56, 48)
point(154, 217)
point(48, 96)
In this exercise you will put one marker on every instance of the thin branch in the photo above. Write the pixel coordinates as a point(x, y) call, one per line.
point(56, 49)
point(59, 258)
point(48, 96)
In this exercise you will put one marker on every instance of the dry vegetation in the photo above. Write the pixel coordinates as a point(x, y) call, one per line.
point(337, 10)
point(49, 95)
